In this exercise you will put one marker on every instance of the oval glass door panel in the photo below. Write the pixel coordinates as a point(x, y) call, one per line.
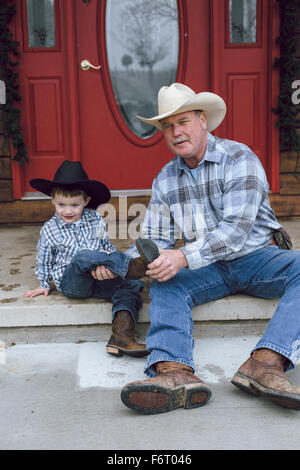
point(142, 40)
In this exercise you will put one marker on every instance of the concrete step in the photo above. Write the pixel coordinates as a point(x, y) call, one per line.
point(60, 320)
point(17, 261)
point(56, 310)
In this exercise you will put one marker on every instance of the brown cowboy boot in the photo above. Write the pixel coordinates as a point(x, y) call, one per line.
point(263, 373)
point(137, 267)
point(122, 339)
point(174, 386)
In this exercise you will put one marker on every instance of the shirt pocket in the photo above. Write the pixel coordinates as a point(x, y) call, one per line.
point(62, 255)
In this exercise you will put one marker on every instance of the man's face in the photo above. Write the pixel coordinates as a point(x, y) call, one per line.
point(186, 136)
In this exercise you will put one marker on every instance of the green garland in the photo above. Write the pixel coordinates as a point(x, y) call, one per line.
point(8, 62)
point(288, 65)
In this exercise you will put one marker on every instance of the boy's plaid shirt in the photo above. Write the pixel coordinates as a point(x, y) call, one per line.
point(222, 215)
point(59, 242)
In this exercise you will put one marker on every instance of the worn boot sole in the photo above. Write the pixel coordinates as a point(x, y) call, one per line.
point(117, 351)
point(154, 399)
point(147, 249)
point(284, 399)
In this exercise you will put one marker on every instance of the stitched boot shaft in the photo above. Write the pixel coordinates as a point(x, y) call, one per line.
point(138, 266)
point(122, 339)
point(174, 386)
point(267, 378)
point(168, 366)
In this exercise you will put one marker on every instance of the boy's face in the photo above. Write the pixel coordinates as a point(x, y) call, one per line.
point(69, 208)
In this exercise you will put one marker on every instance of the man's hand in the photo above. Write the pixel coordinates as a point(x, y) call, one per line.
point(101, 273)
point(34, 292)
point(166, 265)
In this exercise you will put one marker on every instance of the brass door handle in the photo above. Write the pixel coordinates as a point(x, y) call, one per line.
point(86, 65)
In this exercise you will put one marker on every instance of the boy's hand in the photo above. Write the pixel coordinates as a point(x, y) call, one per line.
point(34, 292)
point(101, 273)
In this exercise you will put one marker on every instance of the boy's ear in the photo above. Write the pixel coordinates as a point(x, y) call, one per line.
point(87, 201)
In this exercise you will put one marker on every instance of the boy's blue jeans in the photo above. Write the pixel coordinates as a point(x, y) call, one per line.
point(78, 283)
point(268, 273)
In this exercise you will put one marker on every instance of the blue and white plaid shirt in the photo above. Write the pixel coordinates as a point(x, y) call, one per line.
point(222, 215)
point(59, 242)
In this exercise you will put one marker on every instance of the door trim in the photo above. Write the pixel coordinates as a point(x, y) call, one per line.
point(273, 157)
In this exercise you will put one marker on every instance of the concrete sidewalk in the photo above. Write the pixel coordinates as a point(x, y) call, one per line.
point(66, 396)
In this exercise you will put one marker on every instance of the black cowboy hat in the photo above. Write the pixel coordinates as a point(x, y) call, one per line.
point(71, 175)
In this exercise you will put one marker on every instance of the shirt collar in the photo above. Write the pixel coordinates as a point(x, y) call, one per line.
point(212, 154)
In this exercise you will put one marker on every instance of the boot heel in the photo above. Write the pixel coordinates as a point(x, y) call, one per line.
point(243, 383)
point(196, 396)
point(113, 351)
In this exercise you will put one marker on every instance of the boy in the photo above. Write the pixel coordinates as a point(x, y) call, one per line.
point(74, 242)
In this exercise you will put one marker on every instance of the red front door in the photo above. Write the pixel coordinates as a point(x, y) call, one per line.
point(114, 143)
point(89, 115)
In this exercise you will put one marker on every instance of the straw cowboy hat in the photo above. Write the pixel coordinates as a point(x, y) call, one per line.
point(71, 175)
point(178, 98)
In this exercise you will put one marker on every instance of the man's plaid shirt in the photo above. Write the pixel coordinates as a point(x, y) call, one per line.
point(59, 242)
point(224, 214)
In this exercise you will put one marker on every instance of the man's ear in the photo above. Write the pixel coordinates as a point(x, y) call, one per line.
point(203, 120)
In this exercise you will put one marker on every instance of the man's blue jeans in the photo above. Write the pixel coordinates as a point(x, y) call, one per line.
point(267, 273)
point(78, 283)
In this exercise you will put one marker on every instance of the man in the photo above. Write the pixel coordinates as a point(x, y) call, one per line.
point(215, 192)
